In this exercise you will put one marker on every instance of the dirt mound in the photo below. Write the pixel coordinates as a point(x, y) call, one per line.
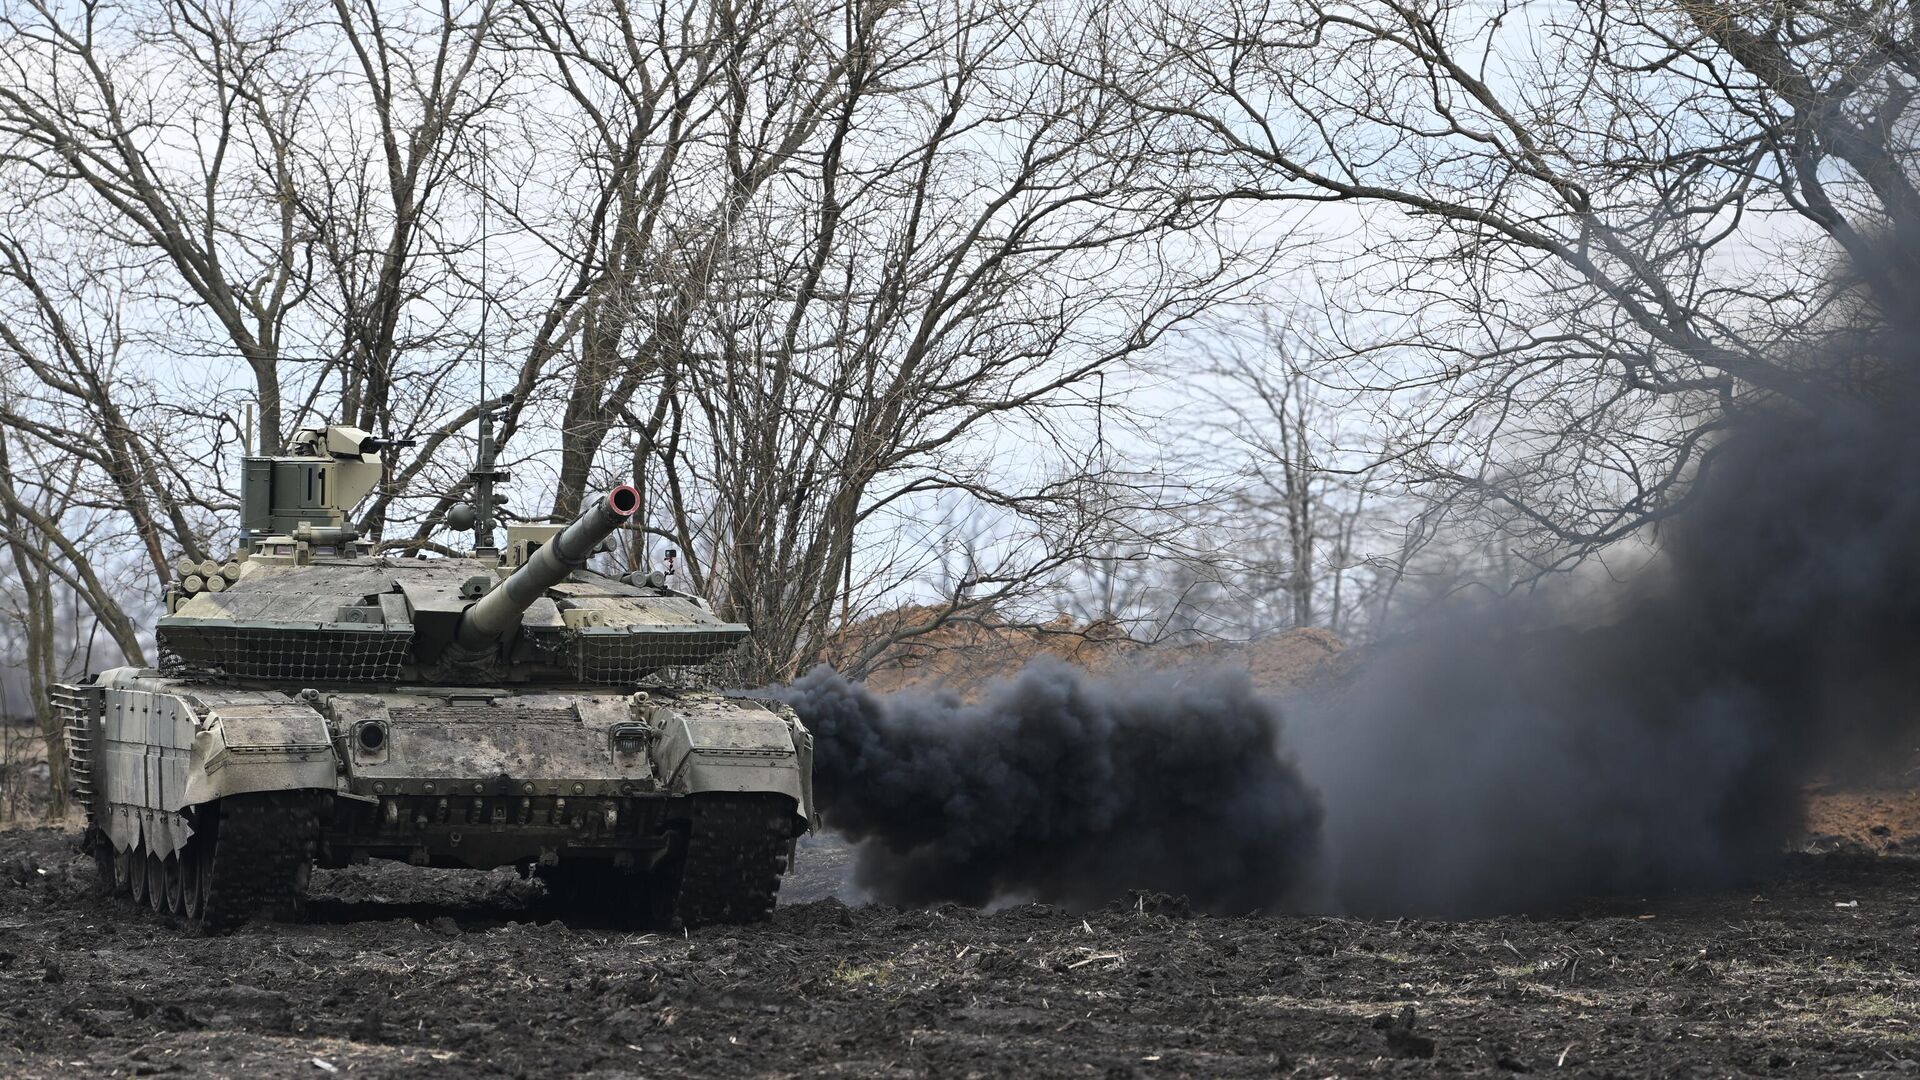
point(1289, 660)
point(962, 656)
point(1879, 820)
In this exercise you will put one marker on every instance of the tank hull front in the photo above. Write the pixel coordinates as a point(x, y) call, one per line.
point(479, 779)
point(652, 787)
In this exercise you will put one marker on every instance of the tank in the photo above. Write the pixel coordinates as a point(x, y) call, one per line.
point(320, 702)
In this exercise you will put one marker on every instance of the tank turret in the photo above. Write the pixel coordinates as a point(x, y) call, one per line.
point(546, 565)
point(311, 599)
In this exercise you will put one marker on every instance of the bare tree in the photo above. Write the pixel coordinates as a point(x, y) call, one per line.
point(1270, 410)
point(35, 547)
point(845, 287)
point(851, 277)
point(1579, 233)
point(870, 240)
point(1289, 522)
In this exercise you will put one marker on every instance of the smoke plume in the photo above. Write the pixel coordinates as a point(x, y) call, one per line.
point(1483, 764)
point(1057, 787)
point(1492, 759)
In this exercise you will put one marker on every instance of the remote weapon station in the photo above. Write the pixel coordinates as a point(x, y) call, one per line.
point(318, 701)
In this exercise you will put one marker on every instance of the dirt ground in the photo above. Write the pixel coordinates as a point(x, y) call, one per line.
point(404, 972)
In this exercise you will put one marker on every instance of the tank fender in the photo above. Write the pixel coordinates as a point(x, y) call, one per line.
point(730, 745)
point(260, 746)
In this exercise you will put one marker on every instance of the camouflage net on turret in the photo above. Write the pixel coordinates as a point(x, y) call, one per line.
point(371, 654)
point(623, 656)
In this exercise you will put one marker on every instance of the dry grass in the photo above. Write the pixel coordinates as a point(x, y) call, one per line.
point(26, 785)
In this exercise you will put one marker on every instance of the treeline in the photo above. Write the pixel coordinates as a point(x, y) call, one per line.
point(1197, 320)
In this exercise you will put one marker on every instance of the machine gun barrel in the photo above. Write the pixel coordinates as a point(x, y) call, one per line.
point(498, 612)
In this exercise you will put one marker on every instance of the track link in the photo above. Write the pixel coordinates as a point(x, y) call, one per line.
point(261, 855)
point(737, 848)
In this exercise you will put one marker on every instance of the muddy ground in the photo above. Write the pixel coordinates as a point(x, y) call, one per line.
point(412, 973)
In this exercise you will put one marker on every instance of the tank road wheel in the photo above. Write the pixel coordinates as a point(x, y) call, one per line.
point(137, 873)
point(176, 885)
point(192, 897)
point(122, 872)
point(156, 882)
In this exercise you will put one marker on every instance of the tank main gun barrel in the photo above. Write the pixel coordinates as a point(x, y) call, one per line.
point(499, 611)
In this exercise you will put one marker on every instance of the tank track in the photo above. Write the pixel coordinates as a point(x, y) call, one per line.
point(737, 848)
point(253, 854)
point(262, 855)
point(724, 867)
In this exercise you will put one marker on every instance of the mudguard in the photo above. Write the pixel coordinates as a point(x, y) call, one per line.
point(734, 745)
point(259, 746)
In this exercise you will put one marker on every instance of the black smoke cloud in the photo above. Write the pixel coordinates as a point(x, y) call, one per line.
point(1057, 787)
point(1486, 764)
point(1492, 759)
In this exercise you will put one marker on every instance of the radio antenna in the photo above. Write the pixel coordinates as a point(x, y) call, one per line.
point(486, 471)
point(486, 296)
